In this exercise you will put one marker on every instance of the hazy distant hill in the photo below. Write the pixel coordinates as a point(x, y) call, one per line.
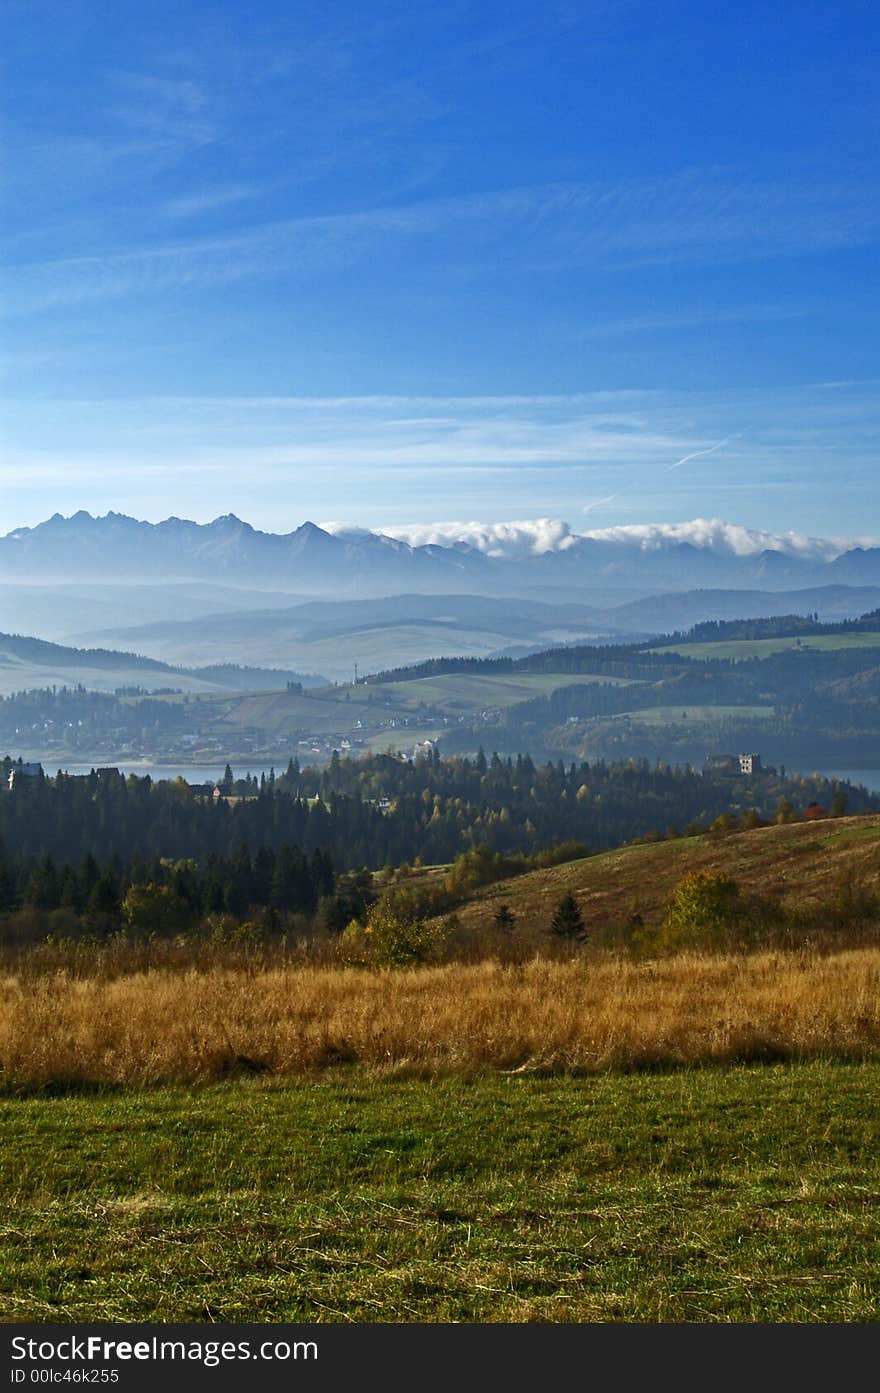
point(59, 611)
point(314, 601)
point(331, 636)
point(31, 662)
point(665, 613)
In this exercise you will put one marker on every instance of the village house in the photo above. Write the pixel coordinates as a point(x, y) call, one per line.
point(20, 772)
point(733, 764)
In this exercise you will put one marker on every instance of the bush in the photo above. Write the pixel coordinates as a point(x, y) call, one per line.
point(853, 901)
point(352, 899)
point(398, 936)
point(703, 906)
point(155, 909)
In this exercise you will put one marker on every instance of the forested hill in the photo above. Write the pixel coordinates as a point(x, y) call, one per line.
point(638, 659)
point(381, 810)
point(25, 649)
point(779, 626)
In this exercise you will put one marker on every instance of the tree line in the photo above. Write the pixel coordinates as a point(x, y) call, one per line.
point(161, 896)
point(381, 810)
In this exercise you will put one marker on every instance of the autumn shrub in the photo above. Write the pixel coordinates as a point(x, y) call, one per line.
point(702, 908)
point(852, 901)
point(399, 936)
point(155, 909)
point(396, 933)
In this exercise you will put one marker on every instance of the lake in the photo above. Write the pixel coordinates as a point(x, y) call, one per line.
point(201, 773)
point(193, 773)
point(869, 777)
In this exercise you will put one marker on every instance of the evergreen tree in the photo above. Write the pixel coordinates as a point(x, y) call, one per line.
point(504, 919)
point(7, 889)
point(103, 902)
point(89, 872)
point(568, 922)
point(44, 889)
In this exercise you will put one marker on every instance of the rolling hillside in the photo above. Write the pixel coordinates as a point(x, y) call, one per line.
point(62, 612)
point(378, 634)
point(29, 663)
point(333, 636)
point(803, 863)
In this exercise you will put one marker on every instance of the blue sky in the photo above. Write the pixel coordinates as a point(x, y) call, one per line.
point(402, 263)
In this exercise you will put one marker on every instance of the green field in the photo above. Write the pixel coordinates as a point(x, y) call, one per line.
point(332, 709)
point(692, 715)
point(473, 691)
point(280, 712)
point(401, 741)
point(748, 1194)
point(737, 649)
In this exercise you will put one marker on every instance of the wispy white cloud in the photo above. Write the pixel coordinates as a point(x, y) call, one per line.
point(383, 402)
point(164, 108)
point(208, 200)
point(695, 216)
point(705, 317)
point(625, 457)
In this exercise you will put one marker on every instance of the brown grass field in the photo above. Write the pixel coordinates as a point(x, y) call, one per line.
point(141, 1012)
point(804, 864)
point(593, 1013)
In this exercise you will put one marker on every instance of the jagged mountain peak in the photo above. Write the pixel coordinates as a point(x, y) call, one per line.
point(342, 560)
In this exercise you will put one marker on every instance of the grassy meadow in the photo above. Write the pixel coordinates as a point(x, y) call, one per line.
point(766, 647)
point(741, 1194)
point(471, 691)
point(692, 715)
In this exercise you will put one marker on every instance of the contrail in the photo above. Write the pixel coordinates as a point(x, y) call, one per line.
point(711, 450)
point(695, 454)
point(600, 502)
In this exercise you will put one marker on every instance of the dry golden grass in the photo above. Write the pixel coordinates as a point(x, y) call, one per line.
point(593, 1013)
point(800, 864)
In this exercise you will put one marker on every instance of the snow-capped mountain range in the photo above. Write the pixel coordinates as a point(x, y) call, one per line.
point(495, 558)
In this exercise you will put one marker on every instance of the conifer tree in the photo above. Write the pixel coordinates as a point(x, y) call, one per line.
point(568, 922)
point(505, 919)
